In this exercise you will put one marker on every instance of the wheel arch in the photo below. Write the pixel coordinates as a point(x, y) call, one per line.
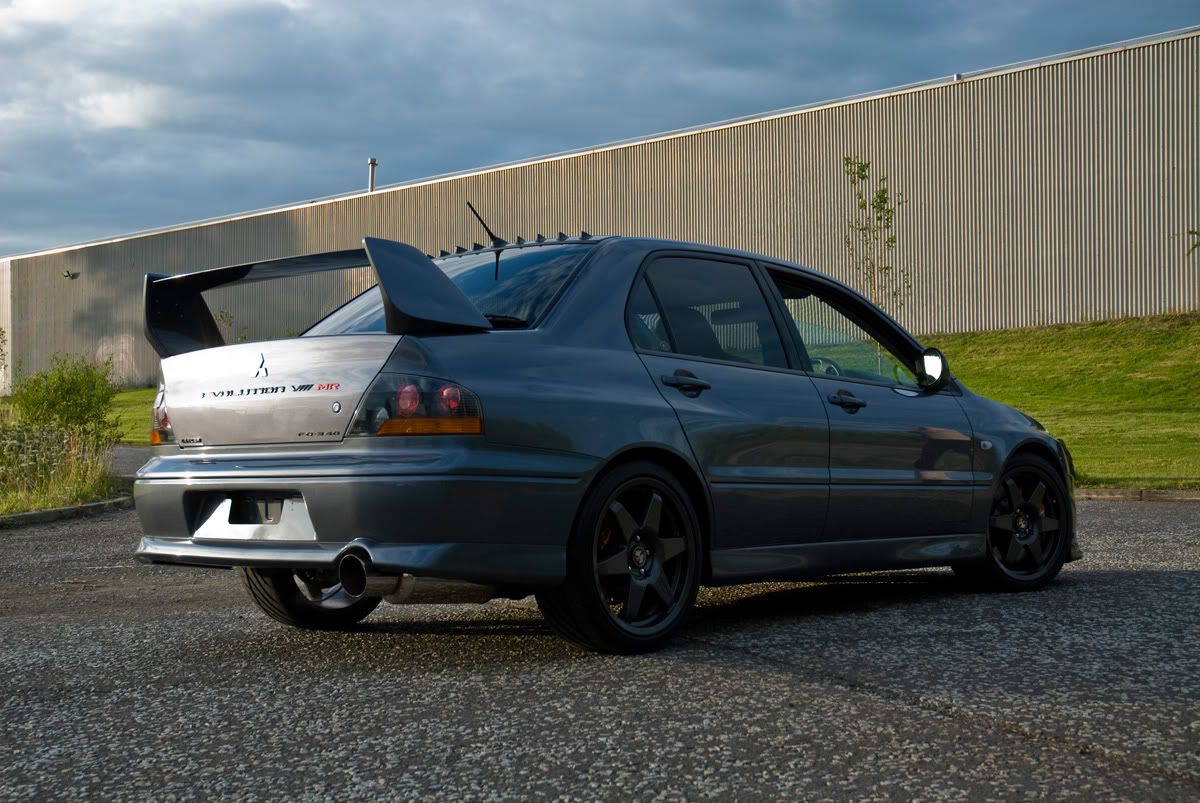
point(1042, 450)
point(683, 470)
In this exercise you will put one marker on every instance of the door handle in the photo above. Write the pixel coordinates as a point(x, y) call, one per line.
point(686, 383)
point(847, 401)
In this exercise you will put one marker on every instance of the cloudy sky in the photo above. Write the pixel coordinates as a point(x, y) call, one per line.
point(117, 116)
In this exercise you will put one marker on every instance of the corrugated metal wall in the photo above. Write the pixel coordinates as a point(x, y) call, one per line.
point(1040, 195)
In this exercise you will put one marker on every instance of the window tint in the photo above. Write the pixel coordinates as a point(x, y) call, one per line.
point(836, 345)
point(521, 289)
point(714, 309)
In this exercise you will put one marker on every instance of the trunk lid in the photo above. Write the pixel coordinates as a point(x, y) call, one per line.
point(301, 390)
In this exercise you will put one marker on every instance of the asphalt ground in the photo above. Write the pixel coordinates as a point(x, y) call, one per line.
point(119, 680)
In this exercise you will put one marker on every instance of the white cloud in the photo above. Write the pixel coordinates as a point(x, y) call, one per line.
point(131, 107)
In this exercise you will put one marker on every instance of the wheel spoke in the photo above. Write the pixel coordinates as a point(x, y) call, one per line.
point(1004, 521)
point(669, 548)
point(1014, 493)
point(1049, 525)
point(1035, 549)
point(625, 521)
point(633, 600)
point(616, 565)
point(1039, 493)
point(662, 586)
point(1015, 548)
point(653, 518)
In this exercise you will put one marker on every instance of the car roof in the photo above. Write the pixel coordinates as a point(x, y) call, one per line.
point(649, 243)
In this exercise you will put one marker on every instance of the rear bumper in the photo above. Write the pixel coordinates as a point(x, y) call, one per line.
point(516, 564)
point(488, 528)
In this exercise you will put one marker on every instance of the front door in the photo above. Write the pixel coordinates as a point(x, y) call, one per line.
point(900, 457)
point(757, 427)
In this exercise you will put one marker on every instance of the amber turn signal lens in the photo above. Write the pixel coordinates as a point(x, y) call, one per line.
point(431, 426)
point(155, 438)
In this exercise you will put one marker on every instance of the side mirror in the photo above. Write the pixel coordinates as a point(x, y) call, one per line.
point(932, 371)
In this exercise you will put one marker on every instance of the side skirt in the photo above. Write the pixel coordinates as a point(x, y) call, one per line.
point(798, 561)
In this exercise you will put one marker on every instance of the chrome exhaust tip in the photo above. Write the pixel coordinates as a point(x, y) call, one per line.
point(358, 581)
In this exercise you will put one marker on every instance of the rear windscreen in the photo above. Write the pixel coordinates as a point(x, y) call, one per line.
point(516, 292)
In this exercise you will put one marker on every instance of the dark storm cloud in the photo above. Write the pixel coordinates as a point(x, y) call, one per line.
point(116, 116)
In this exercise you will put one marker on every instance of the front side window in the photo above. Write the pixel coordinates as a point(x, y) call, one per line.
point(714, 309)
point(836, 345)
point(512, 294)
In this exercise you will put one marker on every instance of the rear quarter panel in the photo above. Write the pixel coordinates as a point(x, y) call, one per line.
point(574, 384)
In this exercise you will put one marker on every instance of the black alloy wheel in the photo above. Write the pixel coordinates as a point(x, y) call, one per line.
point(633, 563)
point(641, 561)
point(1029, 528)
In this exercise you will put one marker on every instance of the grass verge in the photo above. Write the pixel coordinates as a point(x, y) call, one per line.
point(132, 409)
point(1124, 395)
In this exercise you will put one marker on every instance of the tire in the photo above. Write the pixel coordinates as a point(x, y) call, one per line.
point(633, 563)
point(311, 600)
point(1030, 528)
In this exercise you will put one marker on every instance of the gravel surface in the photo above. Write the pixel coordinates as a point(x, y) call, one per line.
point(126, 681)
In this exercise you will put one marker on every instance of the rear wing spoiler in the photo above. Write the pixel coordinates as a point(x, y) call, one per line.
point(417, 296)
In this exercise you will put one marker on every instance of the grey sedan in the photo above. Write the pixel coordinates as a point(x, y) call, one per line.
point(606, 423)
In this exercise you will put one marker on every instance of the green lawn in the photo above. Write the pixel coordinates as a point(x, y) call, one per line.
point(1125, 395)
point(133, 409)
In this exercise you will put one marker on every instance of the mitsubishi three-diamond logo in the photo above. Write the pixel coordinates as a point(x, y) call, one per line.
point(262, 367)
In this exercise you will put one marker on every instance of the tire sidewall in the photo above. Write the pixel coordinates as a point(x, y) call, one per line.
point(276, 594)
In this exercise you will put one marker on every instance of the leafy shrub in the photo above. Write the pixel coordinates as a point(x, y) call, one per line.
point(56, 435)
point(49, 467)
point(73, 394)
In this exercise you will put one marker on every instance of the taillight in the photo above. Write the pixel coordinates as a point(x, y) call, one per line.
point(398, 404)
point(160, 426)
point(450, 399)
point(408, 400)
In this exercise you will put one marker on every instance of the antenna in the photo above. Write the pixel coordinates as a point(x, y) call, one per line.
point(496, 241)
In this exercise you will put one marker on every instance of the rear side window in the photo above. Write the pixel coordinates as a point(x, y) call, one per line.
point(715, 309)
point(514, 293)
point(645, 320)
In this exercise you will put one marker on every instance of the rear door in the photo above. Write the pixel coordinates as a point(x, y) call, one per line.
point(758, 428)
point(900, 457)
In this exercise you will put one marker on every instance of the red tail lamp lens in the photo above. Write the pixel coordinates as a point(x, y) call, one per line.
point(408, 399)
point(450, 399)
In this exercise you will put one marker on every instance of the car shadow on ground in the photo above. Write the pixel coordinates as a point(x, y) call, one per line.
point(1092, 621)
point(837, 595)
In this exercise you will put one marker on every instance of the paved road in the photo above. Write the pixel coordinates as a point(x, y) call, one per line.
point(126, 460)
point(120, 680)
